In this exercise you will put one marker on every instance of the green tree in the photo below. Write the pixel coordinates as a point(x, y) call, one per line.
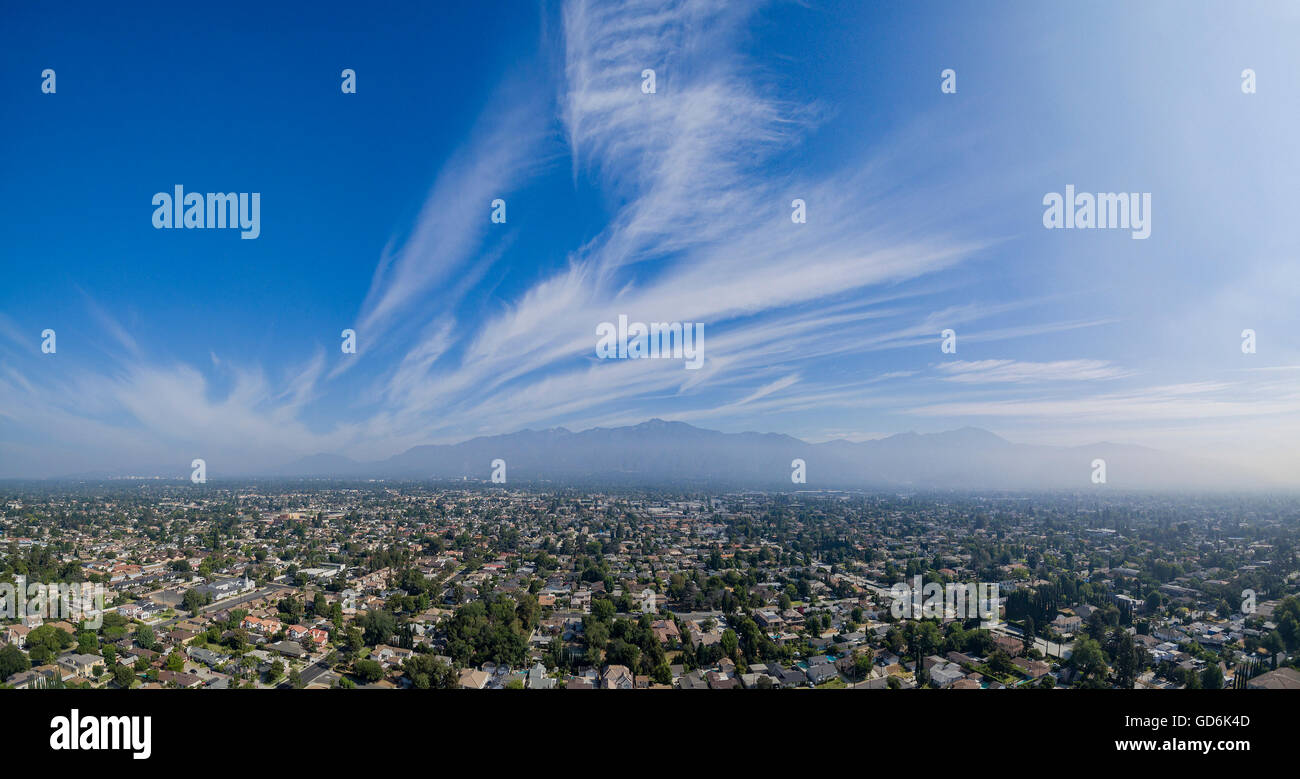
point(428, 673)
point(378, 626)
point(603, 609)
point(145, 637)
point(1127, 658)
point(88, 642)
point(730, 643)
point(861, 663)
point(12, 661)
point(193, 601)
point(368, 670)
point(50, 638)
point(1088, 659)
point(663, 674)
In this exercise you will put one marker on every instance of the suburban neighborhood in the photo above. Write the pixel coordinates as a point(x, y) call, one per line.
point(407, 586)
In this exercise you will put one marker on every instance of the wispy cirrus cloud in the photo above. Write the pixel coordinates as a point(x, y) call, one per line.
point(1021, 372)
point(690, 169)
point(444, 253)
point(698, 230)
point(1189, 401)
point(832, 325)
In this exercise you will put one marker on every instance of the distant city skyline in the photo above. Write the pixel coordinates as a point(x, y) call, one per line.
point(507, 184)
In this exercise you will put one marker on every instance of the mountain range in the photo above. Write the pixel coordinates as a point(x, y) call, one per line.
point(661, 453)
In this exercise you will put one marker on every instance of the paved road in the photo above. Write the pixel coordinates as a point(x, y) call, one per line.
point(314, 671)
point(1041, 644)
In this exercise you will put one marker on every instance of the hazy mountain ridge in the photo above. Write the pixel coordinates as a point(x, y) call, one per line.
point(660, 452)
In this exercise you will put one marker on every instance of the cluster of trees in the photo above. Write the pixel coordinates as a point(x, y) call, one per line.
point(495, 629)
point(1042, 603)
point(429, 673)
point(1107, 655)
point(727, 591)
point(194, 601)
point(39, 563)
point(12, 661)
point(46, 642)
point(612, 640)
point(1286, 636)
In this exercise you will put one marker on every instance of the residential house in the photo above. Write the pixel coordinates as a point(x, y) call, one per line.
point(82, 664)
point(618, 677)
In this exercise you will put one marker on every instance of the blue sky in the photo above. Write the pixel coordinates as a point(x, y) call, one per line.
point(924, 213)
